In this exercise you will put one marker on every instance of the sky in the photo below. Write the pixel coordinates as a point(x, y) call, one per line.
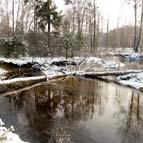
point(114, 9)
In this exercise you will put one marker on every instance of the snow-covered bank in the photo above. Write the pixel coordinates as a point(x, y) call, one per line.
point(94, 66)
point(131, 57)
point(73, 64)
point(2, 71)
point(104, 63)
point(7, 135)
point(134, 80)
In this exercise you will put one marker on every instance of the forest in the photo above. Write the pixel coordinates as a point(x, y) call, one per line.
point(71, 71)
point(39, 28)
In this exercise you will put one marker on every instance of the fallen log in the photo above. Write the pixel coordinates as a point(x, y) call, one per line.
point(17, 84)
point(15, 91)
point(25, 79)
point(79, 74)
point(63, 63)
point(106, 73)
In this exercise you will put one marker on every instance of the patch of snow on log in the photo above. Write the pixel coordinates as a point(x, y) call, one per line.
point(4, 82)
point(106, 73)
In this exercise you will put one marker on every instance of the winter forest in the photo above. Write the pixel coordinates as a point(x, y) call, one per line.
point(71, 71)
point(39, 28)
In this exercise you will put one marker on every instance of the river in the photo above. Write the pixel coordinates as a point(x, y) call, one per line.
point(75, 110)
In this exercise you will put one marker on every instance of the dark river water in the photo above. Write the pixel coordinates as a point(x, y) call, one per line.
point(75, 111)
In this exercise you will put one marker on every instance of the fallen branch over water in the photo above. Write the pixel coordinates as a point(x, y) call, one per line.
point(81, 74)
point(106, 73)
point(29, 79)
point(13, 86)
point(10, 92)
point(25, 79)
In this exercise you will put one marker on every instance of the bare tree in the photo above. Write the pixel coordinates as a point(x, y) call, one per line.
point(140, 31)
point(136, 4)
point(13, 9)
point(107, 33)
point(94, 28)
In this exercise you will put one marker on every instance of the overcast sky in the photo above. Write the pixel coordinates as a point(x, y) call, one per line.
point(115, 9)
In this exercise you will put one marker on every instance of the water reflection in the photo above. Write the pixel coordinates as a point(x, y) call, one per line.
point(130, 119)
point(75, 110)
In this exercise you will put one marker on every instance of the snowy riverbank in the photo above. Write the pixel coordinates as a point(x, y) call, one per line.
point(7, 135)
point(59, 65)
point(134, 80)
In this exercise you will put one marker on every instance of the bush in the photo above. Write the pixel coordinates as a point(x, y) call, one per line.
point(13, 46)
point(68, 44)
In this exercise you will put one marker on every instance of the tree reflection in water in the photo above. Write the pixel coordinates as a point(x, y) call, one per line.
point(130, 118)
point(75, 110)
point(55, 111)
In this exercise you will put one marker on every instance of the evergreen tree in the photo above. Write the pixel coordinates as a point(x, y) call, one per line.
point(48, 17)
point(69, 44)
point(13, 46)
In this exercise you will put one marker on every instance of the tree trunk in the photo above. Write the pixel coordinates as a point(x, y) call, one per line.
point(13, 23)
point(107, 33)
point(98, 31)
point(140, 32)
point(90, 35)
point(35, 27)
point(17, 15)
point(73, 18)
point(94, 27)
point(135, 28)
point(49, 28)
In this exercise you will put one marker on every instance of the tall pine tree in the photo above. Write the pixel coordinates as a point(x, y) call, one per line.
point(47, 17)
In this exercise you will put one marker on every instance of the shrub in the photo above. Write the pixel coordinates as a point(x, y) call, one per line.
point(13, 46)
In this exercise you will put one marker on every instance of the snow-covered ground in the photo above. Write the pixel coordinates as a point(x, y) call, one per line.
point(82, 63)
point(131, 57)
point(7, 135)
point(2, 71)
point(85, 64)
point(134, 80)
point(104, 63)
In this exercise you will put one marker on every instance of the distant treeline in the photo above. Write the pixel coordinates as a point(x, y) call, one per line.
point(38, 28)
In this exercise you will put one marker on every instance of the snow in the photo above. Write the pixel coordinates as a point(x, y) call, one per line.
point(4, 82)
point(134, 80)
point(99, 61)
point(83, 64)
point(45, 63)
point(101, 73)
point(131, 83)
point(7, 135)
point(2, 71)
point(132, 56)
point(1, 123)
